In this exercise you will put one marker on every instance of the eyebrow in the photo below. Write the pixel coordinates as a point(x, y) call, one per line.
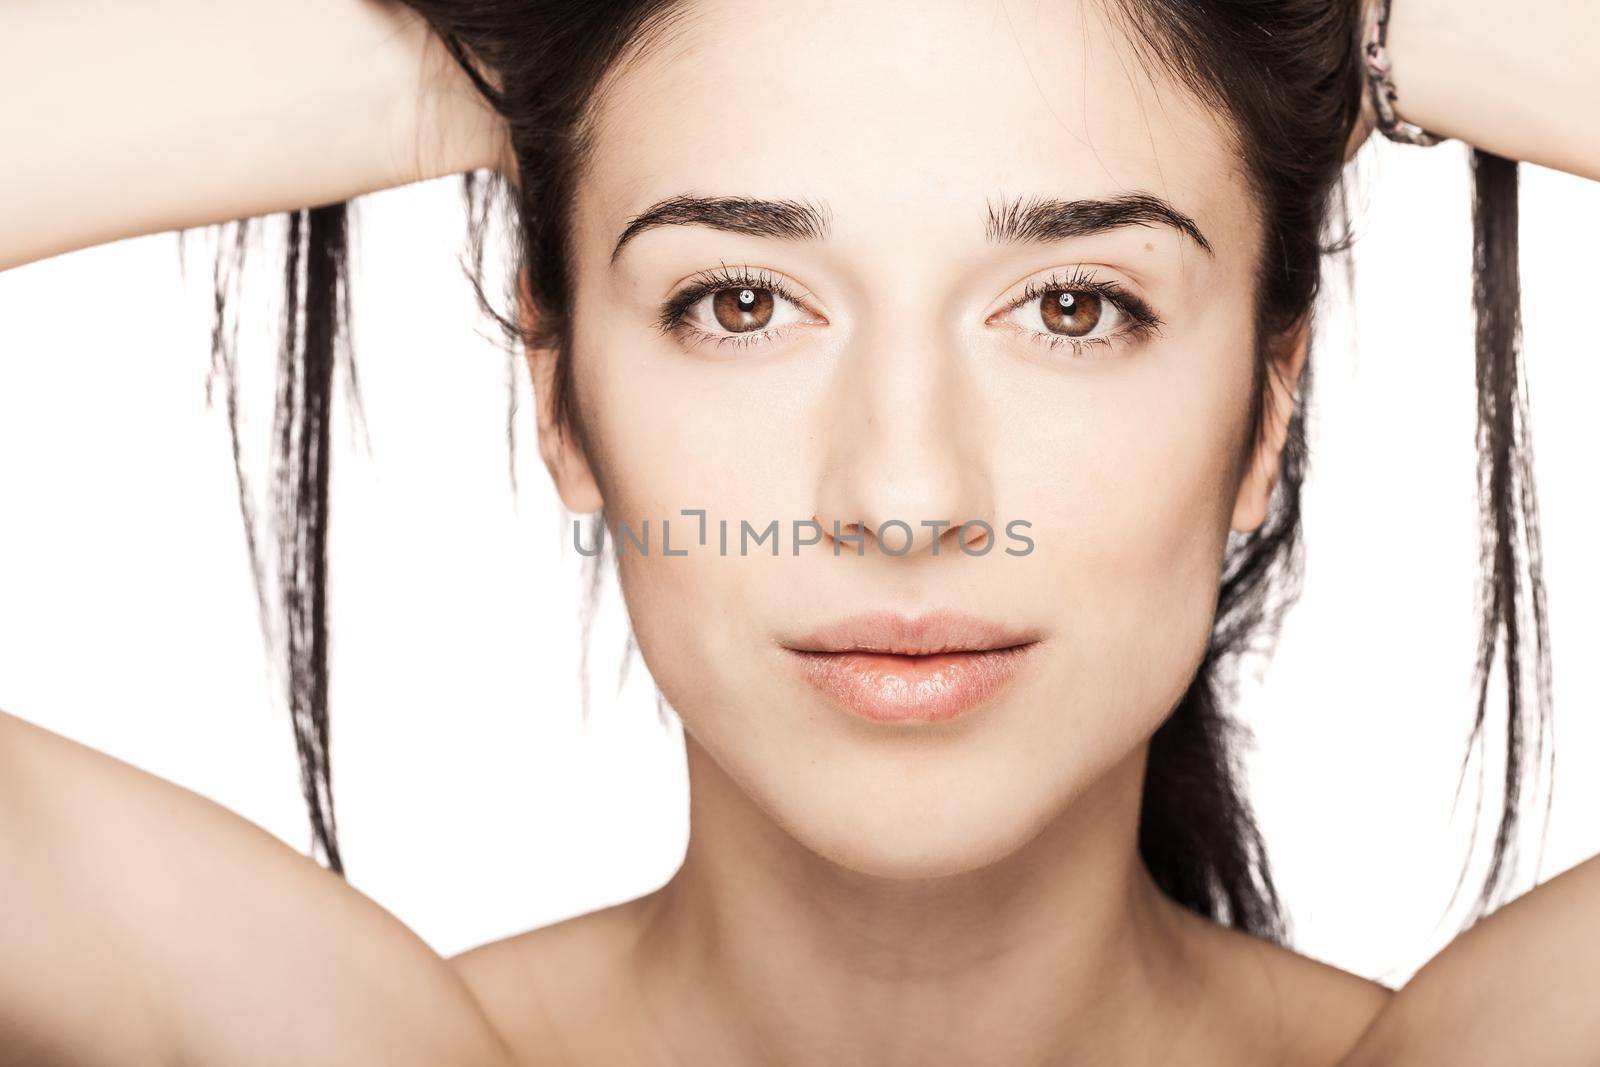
point(1040, 219)
point(1043, 219)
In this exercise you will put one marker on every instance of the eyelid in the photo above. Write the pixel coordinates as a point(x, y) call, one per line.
point(1142, 319)
point(706, 283)
point(1031, 295)
point(1082, 280)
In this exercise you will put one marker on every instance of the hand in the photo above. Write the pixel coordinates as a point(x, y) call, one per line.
point(1367, 121)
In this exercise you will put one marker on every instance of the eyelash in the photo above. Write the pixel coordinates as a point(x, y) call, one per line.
point(674, 312)
point(1143, 320)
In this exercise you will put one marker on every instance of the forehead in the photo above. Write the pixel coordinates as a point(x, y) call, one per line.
point(905, 117)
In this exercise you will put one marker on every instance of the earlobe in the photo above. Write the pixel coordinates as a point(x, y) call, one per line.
point(563, 457)
point(1283, 377)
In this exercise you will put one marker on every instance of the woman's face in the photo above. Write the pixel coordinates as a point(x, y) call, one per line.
point(892, 368)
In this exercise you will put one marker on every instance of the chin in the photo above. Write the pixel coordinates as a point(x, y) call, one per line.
point(906, 833)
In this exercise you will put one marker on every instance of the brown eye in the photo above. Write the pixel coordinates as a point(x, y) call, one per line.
point(1070, 312)
point(1077, 311)
point(741, 310)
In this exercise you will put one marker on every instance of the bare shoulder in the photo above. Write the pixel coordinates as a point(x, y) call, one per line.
point(1517, 987)
point(1317, 1012)
point(552, 992)
point(1326, 1009)
point(145, 923)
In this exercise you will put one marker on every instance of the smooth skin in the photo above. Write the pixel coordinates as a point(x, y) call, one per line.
point(987, 907)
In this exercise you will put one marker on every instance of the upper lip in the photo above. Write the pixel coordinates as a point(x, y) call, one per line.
point(922, 635)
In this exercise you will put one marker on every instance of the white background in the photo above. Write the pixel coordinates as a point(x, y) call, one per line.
point(472, 800)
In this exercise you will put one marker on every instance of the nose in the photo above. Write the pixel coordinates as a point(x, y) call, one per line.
point(904, 464)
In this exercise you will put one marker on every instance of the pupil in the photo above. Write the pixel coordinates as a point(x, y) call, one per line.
point(1066, 300)
point(747, 297)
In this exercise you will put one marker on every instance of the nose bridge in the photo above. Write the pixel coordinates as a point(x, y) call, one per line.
point(905, 444)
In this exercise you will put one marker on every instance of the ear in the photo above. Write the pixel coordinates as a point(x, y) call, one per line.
point(563, 457)
point(1287, 359)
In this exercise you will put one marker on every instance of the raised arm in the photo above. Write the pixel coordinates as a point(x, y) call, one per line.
point(1516, 988)
point(1520, 80)
point(120, 118)
point(145, 926)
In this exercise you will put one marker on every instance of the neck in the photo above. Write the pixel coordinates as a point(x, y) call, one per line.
point(1064, 951)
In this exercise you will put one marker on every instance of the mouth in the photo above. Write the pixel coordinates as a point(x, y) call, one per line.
point(888, 668)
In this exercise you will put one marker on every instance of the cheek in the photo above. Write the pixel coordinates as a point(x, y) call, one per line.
point(671, 435)
point(1135, 522)
point(679, 431)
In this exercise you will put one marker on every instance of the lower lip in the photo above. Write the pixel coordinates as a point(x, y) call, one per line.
point(892, 688)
